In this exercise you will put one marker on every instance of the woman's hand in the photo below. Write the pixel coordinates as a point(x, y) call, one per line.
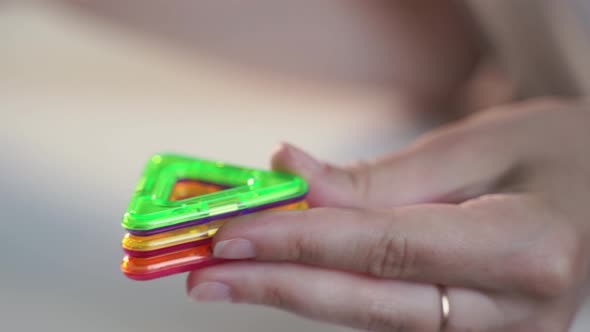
point(496, 208)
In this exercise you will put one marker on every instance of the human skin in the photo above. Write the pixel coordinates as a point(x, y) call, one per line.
point(494, 207)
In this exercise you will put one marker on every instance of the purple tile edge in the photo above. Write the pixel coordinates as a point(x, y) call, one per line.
point(220, 216)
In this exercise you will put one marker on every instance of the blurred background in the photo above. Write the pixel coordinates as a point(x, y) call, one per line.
point(84, 101)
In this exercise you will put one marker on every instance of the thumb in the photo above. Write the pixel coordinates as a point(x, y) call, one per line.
point(437, 170)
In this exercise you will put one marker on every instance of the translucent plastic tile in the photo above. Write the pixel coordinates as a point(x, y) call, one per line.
point(193, 236)
point(168, 264)
point(246, 190)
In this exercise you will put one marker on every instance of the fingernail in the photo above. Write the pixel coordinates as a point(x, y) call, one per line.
point(211, 291)
point(303, 159)
point(234, 249)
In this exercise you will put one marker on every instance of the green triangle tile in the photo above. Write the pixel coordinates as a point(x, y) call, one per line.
point(150, 211)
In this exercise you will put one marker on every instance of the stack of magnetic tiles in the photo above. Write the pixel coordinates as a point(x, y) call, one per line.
point(180, 202)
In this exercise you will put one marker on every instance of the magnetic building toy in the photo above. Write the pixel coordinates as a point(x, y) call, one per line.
point(180, 202)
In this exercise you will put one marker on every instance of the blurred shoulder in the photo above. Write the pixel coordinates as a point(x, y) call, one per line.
point(542, 43)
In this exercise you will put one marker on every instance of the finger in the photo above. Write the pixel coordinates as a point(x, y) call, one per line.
point(339, 297)
point(464, 245)
point(422, 245)
point(451, 165)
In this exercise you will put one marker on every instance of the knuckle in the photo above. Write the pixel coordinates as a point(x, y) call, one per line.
point(556, 266)
point(378, 319)
point(565, 261)
point(359, 176)
point(303, 247)
point(275, 296)
point(390, 257)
